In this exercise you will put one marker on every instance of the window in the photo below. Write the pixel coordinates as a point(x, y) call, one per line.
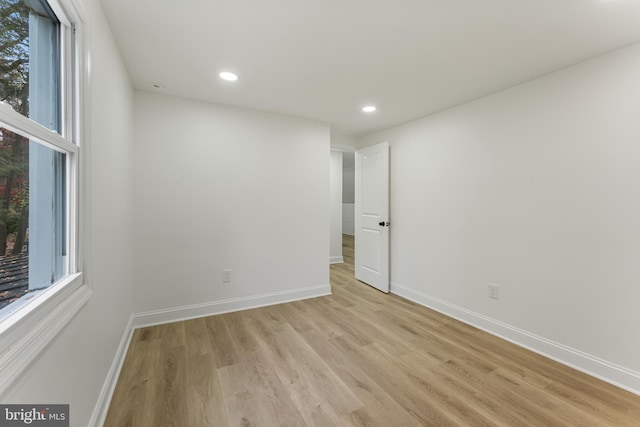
point(40, 90)
point(33, 208)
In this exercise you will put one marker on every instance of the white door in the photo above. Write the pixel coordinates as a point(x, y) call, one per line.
point(372, 216)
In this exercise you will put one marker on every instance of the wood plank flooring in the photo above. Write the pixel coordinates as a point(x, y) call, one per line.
point(356, 358)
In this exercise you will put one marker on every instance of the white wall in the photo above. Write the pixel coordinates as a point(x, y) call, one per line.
point(343, 142)
point(348, 218)
point(346, 144)
point(348, 195)
point(348, 182)
point(225, 188)
point(535, 189)
point(74, 366)
point(336, 207)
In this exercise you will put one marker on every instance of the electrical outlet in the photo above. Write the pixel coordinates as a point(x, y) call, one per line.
point(226, 276)
point(494, 291)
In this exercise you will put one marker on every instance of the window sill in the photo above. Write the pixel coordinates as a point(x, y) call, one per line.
point(27, 331)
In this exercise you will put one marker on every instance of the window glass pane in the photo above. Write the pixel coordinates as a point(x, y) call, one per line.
point(30, 60)
point(33, 242)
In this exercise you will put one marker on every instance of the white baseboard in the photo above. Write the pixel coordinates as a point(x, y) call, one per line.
point(336, 260)
point(183, 313)
point(104, 400)
point(590, 365)
point(176, 314)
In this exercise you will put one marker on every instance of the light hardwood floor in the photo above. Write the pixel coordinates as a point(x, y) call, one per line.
point(356, 358)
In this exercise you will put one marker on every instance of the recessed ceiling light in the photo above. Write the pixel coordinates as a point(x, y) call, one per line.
point(228, 76)
point(369, 109)
point(157, 86)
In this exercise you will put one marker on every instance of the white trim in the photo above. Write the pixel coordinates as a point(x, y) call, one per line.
point(343, 148)
point(26, 127)
point(68, 12)
point(59, 11)
point(106, 394)
point(82, 115)
point(617, 375)
point(26, 308)
point(32, 337)
point(157, 317)
point(336, 260)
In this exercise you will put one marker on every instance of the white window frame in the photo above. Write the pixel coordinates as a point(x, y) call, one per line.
point(27, 331)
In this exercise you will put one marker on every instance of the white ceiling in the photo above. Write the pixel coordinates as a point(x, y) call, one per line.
point(325, 59)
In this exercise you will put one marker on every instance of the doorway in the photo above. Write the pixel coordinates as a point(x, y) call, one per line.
point(361, 175)
point(348, 207)
point(364, 213)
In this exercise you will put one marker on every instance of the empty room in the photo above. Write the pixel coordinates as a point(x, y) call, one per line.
point(319, 213)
